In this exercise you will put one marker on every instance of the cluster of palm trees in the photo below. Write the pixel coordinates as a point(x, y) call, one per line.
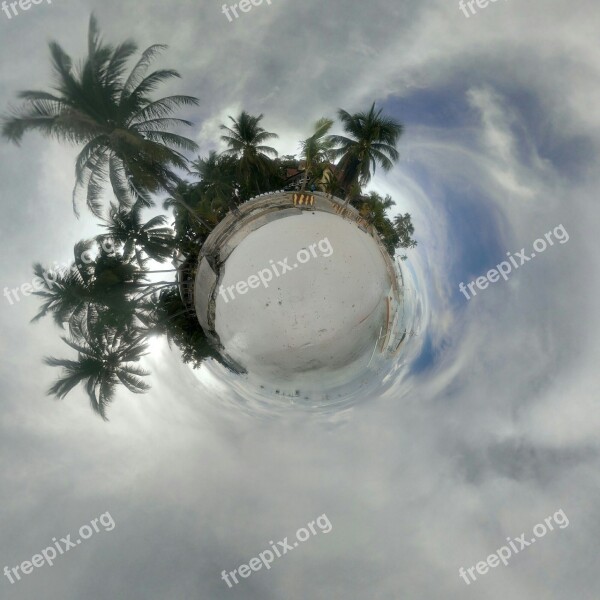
point(341, 165)
point(108, 307)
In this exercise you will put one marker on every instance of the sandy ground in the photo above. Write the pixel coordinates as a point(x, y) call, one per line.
point(322, 317)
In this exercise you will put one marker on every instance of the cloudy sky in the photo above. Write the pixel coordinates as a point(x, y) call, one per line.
point(490, 428)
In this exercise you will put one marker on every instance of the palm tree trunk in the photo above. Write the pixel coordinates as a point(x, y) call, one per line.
point(305, 178)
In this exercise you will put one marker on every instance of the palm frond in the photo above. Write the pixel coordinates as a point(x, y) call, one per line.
point(139, 70)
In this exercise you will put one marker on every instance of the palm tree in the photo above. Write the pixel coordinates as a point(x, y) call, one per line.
point(66, 296)
point(372, 141)
point(192, 212)
point(104, 360)
point(317, 148)
point(405, 229)
point(373, 206)
point(153, 239)
point(126, 134)
point(108, 289)
point(245, 140)
point(217, 179)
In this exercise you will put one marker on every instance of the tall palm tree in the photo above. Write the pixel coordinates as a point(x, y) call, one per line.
point(153, 239)
point(316, 149)
point(104, 360)
point(371, 141)
point(126, 134)
point(245, 139)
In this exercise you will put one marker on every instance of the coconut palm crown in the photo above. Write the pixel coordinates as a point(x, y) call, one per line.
point(142, 241)
point(371, 141)
point(245, 140)
point(125, 133)
point(104, 360)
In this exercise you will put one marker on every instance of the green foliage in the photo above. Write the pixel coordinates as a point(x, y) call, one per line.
point(218, 182)
point(405, 230)
point(104, 360)
point(140, 241)
point(180, 325)
point(126, 134)
point(397, 234)
point(370, 141)
point(245, 140)
point(316, 149)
